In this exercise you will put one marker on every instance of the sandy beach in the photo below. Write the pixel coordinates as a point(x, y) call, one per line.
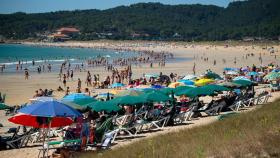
point(19, 91)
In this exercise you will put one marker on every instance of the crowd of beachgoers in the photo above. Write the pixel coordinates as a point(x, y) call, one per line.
point(128, 97)
point(132, 106)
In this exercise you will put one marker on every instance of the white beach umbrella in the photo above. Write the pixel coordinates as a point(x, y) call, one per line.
point(189, 77)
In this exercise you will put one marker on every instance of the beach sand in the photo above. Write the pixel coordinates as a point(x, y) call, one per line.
point(19, 91)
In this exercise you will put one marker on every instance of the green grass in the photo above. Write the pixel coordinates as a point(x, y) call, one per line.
point(251, 134)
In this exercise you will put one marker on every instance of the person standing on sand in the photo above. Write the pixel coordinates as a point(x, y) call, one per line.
point(79, 83)
point(67, 92)
point(72, 74)
point(26, 74)
point(194, 68)
point(64, 80)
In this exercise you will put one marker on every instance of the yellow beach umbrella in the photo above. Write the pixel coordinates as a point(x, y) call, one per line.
point(115, 91)
point(175, 84)
point(203, 81)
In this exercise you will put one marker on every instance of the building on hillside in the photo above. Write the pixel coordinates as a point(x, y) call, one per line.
point(69, 31)
point(63, 34)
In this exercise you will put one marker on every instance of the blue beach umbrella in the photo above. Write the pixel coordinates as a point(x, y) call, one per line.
point(117, 85)
point(187, 82)
point(50, 109)
point(241, 78)
point(74, 96)
point(252, 73)
point(157, 86)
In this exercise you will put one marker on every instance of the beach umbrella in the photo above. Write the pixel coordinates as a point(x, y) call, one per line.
point(130, 93)
point(143, 88)
point(4, 106)
point(194, 92)
point(166, 90)
point(187, 82)
point(50, 109)
point(104, 95)
point(252, 73)
point(175, 84)
point(42, 99)
point(153, 97)
point(115, 91)
point(75, 96)
point(232, 73)
point(203, 81)
point(47, 112)
point(78, 100)
point(276, 70)
point(244, 69)
point(244, 83)
point(241, 78)
point(107, 106)
point(190, 77)
point(126, 100)
point(230, 69)
point(40, 122)
point(212, 75)
point(202, 91)
point(117, 85)
point(151, 75)
point(272, 76)
point(157, 86)
point(230, 85)
point(215, 87)
point(181, 88)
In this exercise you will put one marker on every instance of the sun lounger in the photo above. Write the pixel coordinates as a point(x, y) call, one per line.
point(19, 141)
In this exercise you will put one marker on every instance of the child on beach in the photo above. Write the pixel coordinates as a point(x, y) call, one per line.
point(26, 74)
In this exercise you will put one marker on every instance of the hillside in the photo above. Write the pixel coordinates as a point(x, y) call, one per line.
point(154, 21)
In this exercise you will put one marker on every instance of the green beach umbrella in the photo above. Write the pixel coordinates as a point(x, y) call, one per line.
point(214, 87)
point(78, 100)
point(129, 93)
point(272, 76)
point(194, 92)
point(107, 106)
point(167, 90)
point(126, 100)
point(4, 106)
point(244, 83)
point(202, 91)
point(177, 90)
point(153, 97)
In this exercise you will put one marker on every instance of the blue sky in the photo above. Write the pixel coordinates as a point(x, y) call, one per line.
point(36, 6)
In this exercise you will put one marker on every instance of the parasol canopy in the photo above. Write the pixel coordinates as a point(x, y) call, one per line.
point(40, 122)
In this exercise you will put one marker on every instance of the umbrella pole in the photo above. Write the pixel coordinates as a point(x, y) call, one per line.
point(48, 138)
point(44, 142)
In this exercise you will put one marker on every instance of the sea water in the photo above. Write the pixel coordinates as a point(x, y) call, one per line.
point(11, 54)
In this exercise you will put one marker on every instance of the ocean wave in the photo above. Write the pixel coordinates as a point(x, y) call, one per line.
point(38, 61)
